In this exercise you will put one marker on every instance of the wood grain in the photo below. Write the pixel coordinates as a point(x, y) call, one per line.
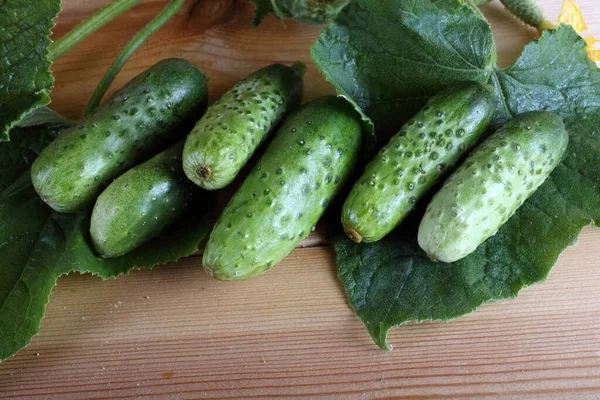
point(175, 333)
point(226, 52)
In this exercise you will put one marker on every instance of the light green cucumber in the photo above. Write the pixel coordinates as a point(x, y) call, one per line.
point(287, 191)
point(151, 110)
point(139, 204)
point(415, 159)
point(233, 128)
point(492, 183)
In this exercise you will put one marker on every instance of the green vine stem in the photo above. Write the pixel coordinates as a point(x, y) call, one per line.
point(89, 26)
point(480, 2)
point(162, 18)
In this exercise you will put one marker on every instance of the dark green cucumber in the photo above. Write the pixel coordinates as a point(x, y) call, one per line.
point(288, 190)
point(415, 159)
point(493, 182)
point(151, 110)
point(139, 204)
point(233, 128)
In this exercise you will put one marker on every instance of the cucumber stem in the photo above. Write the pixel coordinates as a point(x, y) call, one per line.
point(276, 10)
point(162, 18)
point(89, 26)
point(204, 173)
point(352, 234)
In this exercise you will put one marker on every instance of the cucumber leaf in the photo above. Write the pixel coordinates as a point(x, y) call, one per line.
point(43, 116)
point(17, 156)
point(262, 8)
point(552, 74)
point(30, 245)
point(27, 241)
point(389, 56)
point(38, 245)
point(392, 281)
point(25, 77)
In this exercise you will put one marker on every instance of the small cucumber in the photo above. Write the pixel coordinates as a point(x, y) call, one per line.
point(494, 181)
point(233, 128)
point(288, 190)
point(146, 113)
point(415, 159)
point(139, 204)
point(527, 11)
point(310, 12)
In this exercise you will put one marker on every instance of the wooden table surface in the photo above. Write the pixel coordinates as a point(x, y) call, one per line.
point(175, 333)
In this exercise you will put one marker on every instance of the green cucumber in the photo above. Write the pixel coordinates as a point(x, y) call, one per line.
point(492, 183)
point(139, 204)
point(310, 12)
point(233, 128)
point(527, 11)
point(287, 191)
point(151, 110)
point(415, 159)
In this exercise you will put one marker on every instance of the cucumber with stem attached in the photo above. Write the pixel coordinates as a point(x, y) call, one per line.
point(415, 159)
point(232, 129)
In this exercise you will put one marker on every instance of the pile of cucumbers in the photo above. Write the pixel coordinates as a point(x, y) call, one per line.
point(138, 162)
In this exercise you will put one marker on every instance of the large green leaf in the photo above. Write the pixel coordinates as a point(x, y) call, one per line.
point(27, 274)
point(36, 130)
point(30, 245)
point(38, 245)
point(552, 74)
point(392, 282)
point(389, 56)
point(262, 8)
point(25, 77)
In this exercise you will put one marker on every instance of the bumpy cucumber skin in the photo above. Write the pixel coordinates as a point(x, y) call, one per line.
point(149, 111)
point(139, 204)
point(415, 159)
point(494, 181)
point(526, 10)
point(287, 192)
point(235, 125)
point(310, 12)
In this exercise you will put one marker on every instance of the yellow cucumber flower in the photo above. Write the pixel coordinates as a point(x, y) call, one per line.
point(571, 15)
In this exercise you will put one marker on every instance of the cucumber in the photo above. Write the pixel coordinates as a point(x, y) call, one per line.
point(151, 110)
point(139, 204)
point(232, 129)
point(527, 11)
point(494, 181)
point(287, 191)
point(310, 12)
point(415, 159)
